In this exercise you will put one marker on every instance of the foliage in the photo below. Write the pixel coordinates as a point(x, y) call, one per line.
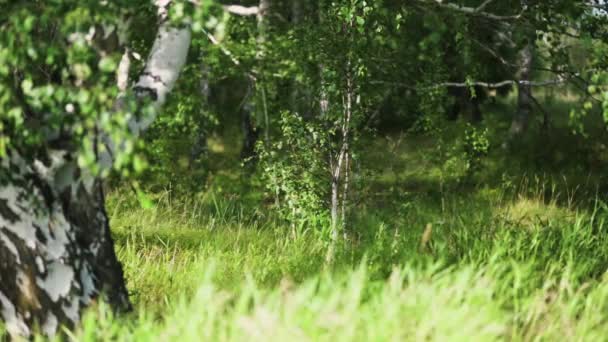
point(295, 170)
point(448, 239)
point(58, 85)
point(476, 146)
point(501, 266)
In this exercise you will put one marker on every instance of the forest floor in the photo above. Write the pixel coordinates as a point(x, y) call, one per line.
point(517, 251)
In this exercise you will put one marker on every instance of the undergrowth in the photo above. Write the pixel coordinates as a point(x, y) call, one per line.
point(502, 266)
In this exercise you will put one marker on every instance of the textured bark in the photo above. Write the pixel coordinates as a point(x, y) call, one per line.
point(167, 58)
point(56, 253)
point(122, 73)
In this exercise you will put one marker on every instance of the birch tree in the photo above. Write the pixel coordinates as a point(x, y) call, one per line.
point(525, 102)
point(56, 252)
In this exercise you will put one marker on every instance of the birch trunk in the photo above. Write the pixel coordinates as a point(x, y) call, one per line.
point(56, 252)
point(200, 144)
point(519, 124)
point(250, 133)
point(340, 172)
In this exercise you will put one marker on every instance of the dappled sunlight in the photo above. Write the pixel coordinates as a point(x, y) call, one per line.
point(301, 170)
point(533, 212)
point(216, 145)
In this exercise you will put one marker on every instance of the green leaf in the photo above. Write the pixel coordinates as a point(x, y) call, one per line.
point(144, 200)
point(139, 164)
point(107, 64)
point(27, 86)
point(360, 21)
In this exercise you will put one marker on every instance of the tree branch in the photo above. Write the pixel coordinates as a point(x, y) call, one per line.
point(481, 7)
point(474, 11)
point(489, 85)
point(250, 74)
point(242, 10)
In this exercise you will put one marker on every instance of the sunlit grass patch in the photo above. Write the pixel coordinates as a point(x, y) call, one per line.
point(465, 303)
point(527, 212)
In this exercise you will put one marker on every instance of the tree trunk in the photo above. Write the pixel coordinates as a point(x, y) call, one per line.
point(264, 11)
point(340, 172)
point(199, 148)
point(56, 252)
point(335, 227)
point(519, 124)
point(250, 133)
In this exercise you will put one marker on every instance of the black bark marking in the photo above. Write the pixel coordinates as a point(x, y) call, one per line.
point(155, 78)
point(86, 227)
point(6, 212)
point(40, 235)
point(146, 91)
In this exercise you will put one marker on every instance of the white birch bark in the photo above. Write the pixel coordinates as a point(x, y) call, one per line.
point(521, 117)
point(166, 60)
point(56, 252)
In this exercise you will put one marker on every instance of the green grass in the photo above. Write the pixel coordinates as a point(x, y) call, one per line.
point(492, 281)
point(519, 253)
point(501, 265)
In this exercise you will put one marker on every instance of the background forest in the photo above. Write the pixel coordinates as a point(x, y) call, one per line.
point(304, 170)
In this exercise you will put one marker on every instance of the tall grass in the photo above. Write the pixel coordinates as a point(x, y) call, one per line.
point(515, 257)
point(500, 266)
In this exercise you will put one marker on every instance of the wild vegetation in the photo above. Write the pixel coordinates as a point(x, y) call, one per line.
point(303, 170)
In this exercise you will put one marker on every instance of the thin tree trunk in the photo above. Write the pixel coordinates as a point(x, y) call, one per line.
point(335, 204)
point(262, 18)
point(341, 168)
point(56, 252)
point(250, 133)
point(519, 124)
point(323, 96)
point(346, 185)
point(247, 123)
point(296, 15)
point(199, 148)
